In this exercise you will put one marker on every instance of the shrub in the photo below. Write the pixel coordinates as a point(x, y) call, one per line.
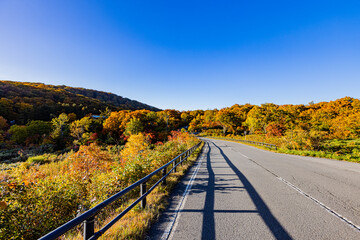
point(275, 129)
point(42, 159)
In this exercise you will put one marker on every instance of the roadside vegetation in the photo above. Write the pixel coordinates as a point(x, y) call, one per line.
point(343, 150)
point(326, 129)
point(52, 170)
point(45, 192)
point(134, 225)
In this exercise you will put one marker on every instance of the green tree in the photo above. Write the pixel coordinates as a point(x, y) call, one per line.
point(38, 130)
point(19, 133)
point(79, 127)
point(60, 132)
point(38, 127)
point(133, 127)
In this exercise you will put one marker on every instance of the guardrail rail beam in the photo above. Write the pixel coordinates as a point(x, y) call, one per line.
point(88, 217)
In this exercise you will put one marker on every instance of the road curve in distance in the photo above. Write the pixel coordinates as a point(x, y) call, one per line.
point(238, 191)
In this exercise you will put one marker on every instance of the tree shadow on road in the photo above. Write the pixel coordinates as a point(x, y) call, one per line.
point(272, 223)
point(208, 226)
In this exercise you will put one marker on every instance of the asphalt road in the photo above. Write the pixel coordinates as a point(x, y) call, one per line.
point(237, 191)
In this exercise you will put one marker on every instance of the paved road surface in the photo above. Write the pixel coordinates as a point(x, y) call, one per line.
point(241, 192)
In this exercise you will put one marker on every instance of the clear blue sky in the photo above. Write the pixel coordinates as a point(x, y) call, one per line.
point(187, 54)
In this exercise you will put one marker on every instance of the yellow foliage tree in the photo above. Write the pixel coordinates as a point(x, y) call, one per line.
point(136, 144)
point(115, 122)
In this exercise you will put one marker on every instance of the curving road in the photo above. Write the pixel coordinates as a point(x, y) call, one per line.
point(241, 192)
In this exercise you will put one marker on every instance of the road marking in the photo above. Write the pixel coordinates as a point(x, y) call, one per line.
point(338, 215)
point(331, 211)
point(172, 225)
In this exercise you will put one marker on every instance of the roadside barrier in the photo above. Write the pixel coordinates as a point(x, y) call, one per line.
point(259, 143)
point(253, 142)
point(88, 217)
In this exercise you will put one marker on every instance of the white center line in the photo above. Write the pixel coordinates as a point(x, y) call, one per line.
point(331, 211)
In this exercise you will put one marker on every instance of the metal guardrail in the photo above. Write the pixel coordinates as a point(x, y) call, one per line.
point(88, 218)
point(253, 142)
point(258, 143)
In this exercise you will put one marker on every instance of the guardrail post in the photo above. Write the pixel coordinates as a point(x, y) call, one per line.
point(174, 165)
point(142, 192)
point(164, 173)
point(181, 158)
point(89, 227)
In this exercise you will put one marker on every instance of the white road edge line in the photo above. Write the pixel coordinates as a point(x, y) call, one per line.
point(171, 226)
point(338, 215)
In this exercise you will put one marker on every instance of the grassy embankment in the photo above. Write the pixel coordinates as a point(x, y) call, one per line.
point(343, 150)
point(44, 192)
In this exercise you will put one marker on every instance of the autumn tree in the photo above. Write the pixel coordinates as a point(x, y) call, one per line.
point(275, 129)
point(291, 117)
point(260, 116)
point(196, 123)
point(72, 117)
point(186, 118)
point(115, 122)
point(136, 144)
point(228, 119)
point(209, 119)
point(346, 123)
point(3, 123)
point(60, 130)
point(59, 124)
point(171, 118)
point(3, 126)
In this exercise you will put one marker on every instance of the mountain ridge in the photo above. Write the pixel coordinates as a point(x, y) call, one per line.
point(25, 101)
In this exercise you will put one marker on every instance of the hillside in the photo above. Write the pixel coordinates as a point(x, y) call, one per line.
point(108, 98)
point(22, 101)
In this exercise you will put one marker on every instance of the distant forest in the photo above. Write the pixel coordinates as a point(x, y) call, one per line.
point(24, 101)
point(60, 117)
